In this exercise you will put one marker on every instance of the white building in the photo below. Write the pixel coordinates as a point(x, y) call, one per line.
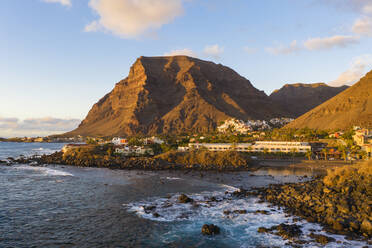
point(218, 147)
point(281, 146)
point(262, 146)
point(119, 141)
point(242, 127)
point(152, 140)
point(234, 125)
point(135, 150)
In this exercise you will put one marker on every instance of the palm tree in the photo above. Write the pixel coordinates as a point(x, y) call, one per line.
point(363, 154)
point(293, 151)
point(250, 148)
point(343, 151)
point(309, 154)
point(325, 153)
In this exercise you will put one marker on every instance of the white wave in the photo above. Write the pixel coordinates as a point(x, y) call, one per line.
point(173, 178)
point(45, 170)
point(239, 228)
point(229, 187)
point(38, 149)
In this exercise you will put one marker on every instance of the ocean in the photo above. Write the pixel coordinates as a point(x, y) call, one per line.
point(66, 206)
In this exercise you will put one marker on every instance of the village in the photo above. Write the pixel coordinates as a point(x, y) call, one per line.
point(235, 135)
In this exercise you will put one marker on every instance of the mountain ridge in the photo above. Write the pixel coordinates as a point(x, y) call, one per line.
point(297, 99)
point(174, 94)
point(351, 107)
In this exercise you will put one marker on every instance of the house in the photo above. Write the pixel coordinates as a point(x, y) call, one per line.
point(234, 125)
point(40, 139)
point(362, 136)
point(336, 135)
point(368, 149)
point(134, 151)
point(183, 148)
point(218, 147)
point(281, 146)
point(152, 140)
point(119, 141)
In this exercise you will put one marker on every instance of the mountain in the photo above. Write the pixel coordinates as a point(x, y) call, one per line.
point(175, 94)
point(351, 107)
point(297, 99)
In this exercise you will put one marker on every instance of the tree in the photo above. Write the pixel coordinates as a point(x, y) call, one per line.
point(250, 148)
point(134, 141)
point(325, 153)
point(309, 154)
point(91, 141)
point(363, 154)
point(343, 151)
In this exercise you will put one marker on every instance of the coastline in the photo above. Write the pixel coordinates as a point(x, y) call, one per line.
point(296, 175)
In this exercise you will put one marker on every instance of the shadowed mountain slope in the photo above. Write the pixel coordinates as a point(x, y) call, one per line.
point(351, 107)
point(297, 99)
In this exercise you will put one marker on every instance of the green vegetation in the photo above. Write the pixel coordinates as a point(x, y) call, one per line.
point(303, 134)
point(205, 158)
point(91, 152)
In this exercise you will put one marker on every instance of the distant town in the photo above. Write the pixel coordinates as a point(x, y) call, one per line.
point(260, 138)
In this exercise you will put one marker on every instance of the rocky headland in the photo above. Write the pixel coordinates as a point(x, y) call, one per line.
point(341, 201)
point(96, 156)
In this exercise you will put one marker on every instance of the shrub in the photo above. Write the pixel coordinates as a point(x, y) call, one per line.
point(360, 173)
point(207, 158)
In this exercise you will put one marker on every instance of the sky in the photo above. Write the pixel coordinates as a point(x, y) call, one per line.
point(59, 57)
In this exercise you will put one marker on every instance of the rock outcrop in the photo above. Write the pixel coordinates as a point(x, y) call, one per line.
point(297, 99)
point(210, 229)
point(341, 201)
point(173, 95)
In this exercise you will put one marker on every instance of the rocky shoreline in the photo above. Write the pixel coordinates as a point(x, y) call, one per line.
point(130, 163)
point(341, 202)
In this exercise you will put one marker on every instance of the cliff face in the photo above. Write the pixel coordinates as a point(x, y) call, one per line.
point(297, 99)
point(173, 95)
point(351, 107)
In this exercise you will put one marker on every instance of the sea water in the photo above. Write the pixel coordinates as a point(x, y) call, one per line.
point(65, 206)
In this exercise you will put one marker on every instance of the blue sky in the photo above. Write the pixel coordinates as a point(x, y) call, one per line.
point(58, 57)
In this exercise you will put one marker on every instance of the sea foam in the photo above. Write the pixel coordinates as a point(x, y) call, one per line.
point(239, 229)
point(44, 170)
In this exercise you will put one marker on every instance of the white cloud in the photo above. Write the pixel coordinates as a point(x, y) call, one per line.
point(363, 26)
point(358, 68)
point(292, 48)
point(367, 9)
point(92, 27)
point(330, 42)
point(133, 18)
point(360, 6)
point(214, 51)
point(249, 50)
point(12, 127)
point(6, 123)
point(63, 2)
point(186, 51)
